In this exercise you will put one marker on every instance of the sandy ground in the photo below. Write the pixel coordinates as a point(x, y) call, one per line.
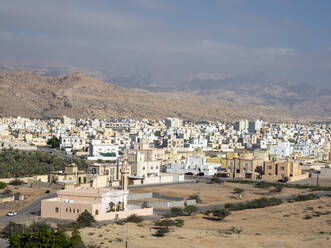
point(279, 226)
point(30, 194)
point(214, 193)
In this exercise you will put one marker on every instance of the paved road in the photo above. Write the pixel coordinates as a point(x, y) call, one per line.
point(55, 152)
point(33, 209)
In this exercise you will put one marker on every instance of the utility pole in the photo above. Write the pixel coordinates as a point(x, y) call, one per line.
point(127, 235)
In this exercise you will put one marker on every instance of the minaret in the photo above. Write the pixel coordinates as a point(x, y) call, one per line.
point(124, 176)
point(124, 183)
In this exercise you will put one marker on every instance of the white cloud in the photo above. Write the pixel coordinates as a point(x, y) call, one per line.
point(274, 52)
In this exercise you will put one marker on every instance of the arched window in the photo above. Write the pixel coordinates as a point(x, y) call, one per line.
point(66, 210)
point(96, 212)
point(56, 210)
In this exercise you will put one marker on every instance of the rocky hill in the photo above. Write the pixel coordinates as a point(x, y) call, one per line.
point(31, 95)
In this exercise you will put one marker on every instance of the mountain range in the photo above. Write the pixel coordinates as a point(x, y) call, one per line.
point(41, 94)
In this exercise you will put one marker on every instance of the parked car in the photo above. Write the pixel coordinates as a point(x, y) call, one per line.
point(200, 174)
point(189, 174)
point(283, 180)
point(12, 213)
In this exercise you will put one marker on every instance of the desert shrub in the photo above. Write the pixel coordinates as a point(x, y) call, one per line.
point(262, 185)
point(7, 191)
point(303, 197)
point(190, 209)
point(120, 222)
point(217, 214)
point(216, 180)
point(165, 222)
point(195, 197)
point(169, 222)
point(134, 218)
point(277, 189)
point(161, 232)
point(176, 212)
point(179, 222)
point(85, 219)
point(2, 185)
point(68, 226)
point(16, 182)
point(257, 203)
point(39, 225)
point(12, 228)
point(319, 213)
point(229, 231)
point(238, 190)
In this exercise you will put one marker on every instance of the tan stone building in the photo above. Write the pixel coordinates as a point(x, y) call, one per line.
point(288, 170)
point(244, 166)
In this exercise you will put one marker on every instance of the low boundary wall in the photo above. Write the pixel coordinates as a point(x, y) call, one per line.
point(170, 202)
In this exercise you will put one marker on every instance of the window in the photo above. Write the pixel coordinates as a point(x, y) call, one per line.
point(77, 210)
point(73, 210)
point(152, 168)
point(96, 212)
point(282, 168)
point(269, 167)
point(70, 210)
point(56, 210)
point(143, 168)
point(66, 210)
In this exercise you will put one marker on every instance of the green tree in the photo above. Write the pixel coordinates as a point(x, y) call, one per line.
point(11, 228)
point(176, 211)
point(195, 197)
point(53, 142)
point(39, 225)
point(190, 209)
point(85, 219)
point(43, 238)
point(16, 182)
point(2, 185)
point(76, 240)
point(134, 218)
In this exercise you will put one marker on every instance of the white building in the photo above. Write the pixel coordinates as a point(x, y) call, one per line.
point(173, 122)
point(194, 165)
point(75, 142)
point(282, 149)
point(97, 151)
point(199, 142)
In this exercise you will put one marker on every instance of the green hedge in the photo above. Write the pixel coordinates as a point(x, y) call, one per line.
point(257, 203)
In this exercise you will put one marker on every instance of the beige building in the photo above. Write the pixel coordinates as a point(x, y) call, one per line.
point(71, 177)
point(244, 166)
point(102, 203)
point(288, 170)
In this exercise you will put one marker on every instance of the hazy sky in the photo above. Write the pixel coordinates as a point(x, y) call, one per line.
point(173, 39)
